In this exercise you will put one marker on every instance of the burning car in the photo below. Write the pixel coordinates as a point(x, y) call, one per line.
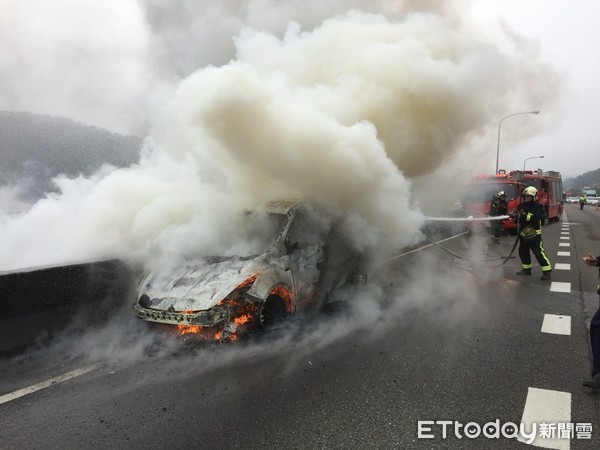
point(220, 298)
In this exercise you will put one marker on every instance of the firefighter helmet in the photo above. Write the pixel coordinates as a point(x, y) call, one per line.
point(501, 193)
point(530, 190)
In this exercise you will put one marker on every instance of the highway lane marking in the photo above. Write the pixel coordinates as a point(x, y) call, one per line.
point(547, 406)
point(44, 384)
point(562, 266)
point(558, 286)
point(555, 324)
point(565, 237)
point(564, 244)
point(563, 254)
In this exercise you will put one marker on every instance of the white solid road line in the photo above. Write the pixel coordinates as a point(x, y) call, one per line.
point(44, 384)
point(551, 407)
point(555, 324)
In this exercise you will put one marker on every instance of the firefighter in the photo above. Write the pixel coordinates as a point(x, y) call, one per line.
point(530, 234)
point(582, 201)
point(594, 382)
point(498, 207)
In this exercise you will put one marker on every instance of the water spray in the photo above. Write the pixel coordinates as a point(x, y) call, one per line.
point(465, 219)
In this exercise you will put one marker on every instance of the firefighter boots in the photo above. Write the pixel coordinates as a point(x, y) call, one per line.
point(545, 275)
point(594, 383)
point(524, 272)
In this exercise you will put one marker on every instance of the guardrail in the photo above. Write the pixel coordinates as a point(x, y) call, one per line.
point(37, 303)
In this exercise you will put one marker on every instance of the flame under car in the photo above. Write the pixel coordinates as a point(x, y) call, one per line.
point(221, 298)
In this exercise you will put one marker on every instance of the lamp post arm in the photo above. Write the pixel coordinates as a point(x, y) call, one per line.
point(500, 125)
point(527, 159)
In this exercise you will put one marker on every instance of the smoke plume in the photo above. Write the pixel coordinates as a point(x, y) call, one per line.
point(345, 108)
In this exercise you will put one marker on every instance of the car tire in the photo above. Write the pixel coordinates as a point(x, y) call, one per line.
point(271, 312)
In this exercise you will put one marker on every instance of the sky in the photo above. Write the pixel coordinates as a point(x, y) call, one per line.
point(368, 109)
point(567, 35)
point(102, 62)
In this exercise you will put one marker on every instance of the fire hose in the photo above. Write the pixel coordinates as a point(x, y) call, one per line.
point(472, 219)
point(505, 258)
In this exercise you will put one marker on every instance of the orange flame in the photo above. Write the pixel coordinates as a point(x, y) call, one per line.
point(244, 318)
point(243, 314)
point(286, 296)
point(246, 282)
point(188, 329)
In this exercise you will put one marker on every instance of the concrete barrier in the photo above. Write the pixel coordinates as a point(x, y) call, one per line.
point(37, 303)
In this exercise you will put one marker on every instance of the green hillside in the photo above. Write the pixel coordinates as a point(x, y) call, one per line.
point(588, 180)
point(35, 148)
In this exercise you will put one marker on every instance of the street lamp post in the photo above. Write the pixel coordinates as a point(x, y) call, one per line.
point(499, 125)
point(531, 157)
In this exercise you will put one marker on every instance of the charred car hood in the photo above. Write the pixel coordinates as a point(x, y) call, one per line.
point(199, 285)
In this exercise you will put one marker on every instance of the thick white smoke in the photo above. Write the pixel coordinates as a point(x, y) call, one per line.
point(75, 58)
point(343, 114)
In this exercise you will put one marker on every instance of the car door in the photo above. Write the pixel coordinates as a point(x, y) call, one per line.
point(304, 245)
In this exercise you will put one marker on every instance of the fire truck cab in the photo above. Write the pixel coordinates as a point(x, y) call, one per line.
point(482, 188)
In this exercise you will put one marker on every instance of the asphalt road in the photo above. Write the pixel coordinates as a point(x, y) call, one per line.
point(444, 333)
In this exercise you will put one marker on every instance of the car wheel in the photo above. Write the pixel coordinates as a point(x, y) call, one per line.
point(271, 312)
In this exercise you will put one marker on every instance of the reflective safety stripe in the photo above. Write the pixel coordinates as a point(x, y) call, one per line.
point(527, 266)
point(528, 217)
point(548, 265)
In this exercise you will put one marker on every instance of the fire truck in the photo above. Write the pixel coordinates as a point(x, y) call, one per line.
point(482, 188)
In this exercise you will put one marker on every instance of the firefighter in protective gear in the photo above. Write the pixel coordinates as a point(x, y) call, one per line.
point(530, 234)
point(498, 207)
point(594, 382)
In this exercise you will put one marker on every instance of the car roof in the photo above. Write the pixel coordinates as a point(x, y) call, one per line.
point(282, 206)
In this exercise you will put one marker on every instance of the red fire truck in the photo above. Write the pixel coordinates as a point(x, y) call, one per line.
point(482, 188)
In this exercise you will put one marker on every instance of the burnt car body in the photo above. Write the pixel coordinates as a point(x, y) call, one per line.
point(221, 298)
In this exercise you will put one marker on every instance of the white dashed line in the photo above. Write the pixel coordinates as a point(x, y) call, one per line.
point(554, 324)
point(562, 266)
point(544, 406)
point(558, 286)
point(564, 244)
point(563, 254)
point(44, 384)
point(565, 237)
